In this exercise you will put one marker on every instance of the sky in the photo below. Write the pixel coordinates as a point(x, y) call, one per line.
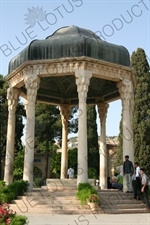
point(122, 22)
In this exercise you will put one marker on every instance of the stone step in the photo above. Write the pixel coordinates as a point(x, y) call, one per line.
point(47, 197)
point(68, 212)
point(126, 206)
point(49, 206)
point(125, 211)
point(117, 198)
point(32, 202)
point(63, 188)
point(46, 193)
point(65, 182)
point(116, 202)
point(55, 210)
point(114, 193)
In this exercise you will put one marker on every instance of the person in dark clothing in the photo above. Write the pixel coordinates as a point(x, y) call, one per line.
point(137, 185)
point(128, 171)
point(109, 185)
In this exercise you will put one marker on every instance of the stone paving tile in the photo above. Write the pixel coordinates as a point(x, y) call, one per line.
point(103, 219)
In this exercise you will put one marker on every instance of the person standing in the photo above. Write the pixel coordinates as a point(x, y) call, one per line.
point(70, 173)
point(137, 186)
point(128, 171)
point(144, 189)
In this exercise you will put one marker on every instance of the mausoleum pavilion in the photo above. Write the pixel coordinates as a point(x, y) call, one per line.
point(73, 66)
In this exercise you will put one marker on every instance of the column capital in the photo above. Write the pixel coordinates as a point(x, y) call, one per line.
point(102, 110)
point(126, 92)
point(32, 82)
point(82, 81)
point(12, 97)
point(65, 112)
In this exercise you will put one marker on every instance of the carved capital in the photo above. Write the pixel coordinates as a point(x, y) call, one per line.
point(102, 110)
point(31, 81)
point(126, 93)
point(12, 97)
point(64, 111)
point(82, 81)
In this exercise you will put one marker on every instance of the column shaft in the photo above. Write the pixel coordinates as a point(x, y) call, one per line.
point(32, 85)
point(64, 110)
point(126, 93)
point(102, 109)
point(82, 81)
point(12, 96)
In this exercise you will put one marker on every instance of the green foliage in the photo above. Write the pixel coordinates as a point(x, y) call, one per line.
point(72, 159)
point(92, 173)
point(92, 136)
point(11, 191)
point(84, 191)
point(47, 129)
point(38, 182)
point(55, 162)
point(20, 112)
point(8, 216)
point(141, 119)
point(18, 165)
point(19, 220)
point(2, 184)
point(119, 153)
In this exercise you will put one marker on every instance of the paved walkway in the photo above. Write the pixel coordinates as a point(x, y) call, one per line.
point(102, 219)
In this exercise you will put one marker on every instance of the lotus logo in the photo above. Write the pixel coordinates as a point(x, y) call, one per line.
point(35, 15)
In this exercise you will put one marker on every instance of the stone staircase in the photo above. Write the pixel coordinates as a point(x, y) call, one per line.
point(59, 197)
point(117, 202)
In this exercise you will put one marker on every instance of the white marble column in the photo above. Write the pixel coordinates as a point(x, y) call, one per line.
point(12, 96)
point(102, 109)
point(126, 93)
point(82, 81)
point(131, 108)
point(32, 84)
point(64, 111)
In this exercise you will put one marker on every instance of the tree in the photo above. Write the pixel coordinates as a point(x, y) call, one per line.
point(141, 120)
point(48, 127)
point(4, 118)
point(72, 159)
point(18, 165)
point(119, 153)
point(3, 113)
point(20, 112)
point(92, 137)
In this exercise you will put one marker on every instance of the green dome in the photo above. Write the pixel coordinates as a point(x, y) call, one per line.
point(71, 41)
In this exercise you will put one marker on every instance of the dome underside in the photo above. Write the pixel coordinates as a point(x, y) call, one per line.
point(53, 89)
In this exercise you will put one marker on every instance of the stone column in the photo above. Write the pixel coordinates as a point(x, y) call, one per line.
point(126, 90)
point(12, 96)
point(126, 93)
point(102, 109)
point(64, 111)
point(82, 81)
point(131, 108)
point(32, 84)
